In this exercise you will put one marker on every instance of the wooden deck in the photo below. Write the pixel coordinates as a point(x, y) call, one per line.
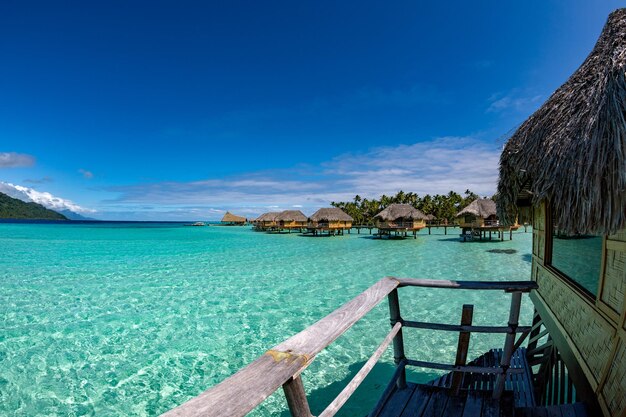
point(475, 398)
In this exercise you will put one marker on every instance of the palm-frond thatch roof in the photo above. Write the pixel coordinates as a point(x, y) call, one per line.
point(333, 214)
point(572, 151)
point(401, 211)
point(291, 216)
point(430, 217)
point(231, 218)
point(267, 217)
point(481, 207)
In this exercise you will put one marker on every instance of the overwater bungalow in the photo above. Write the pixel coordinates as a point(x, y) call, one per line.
point(290, 220)
point(399, 220)
point(568, 163)
point(230, 219)
point(480, 219)
point(333, 221)
point(266, 221)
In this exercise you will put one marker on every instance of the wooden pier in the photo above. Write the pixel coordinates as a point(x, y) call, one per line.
point(497, 383)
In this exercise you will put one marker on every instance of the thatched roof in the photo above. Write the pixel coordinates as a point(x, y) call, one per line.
point(291, 216)
point(481, 207)
point(430, 217)
point(400, 211)
point(267, 217)
point(333, 214)
point(572, 151)
point(231, 218)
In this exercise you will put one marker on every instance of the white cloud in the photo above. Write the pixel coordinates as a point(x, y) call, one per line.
point(45, 199)
point(86, 174)
point(515, 100)
point(429, 167)
point(15, 160)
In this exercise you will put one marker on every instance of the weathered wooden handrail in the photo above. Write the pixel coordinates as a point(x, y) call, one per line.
point(506, 286)
point(282, 365)
point(243, 391)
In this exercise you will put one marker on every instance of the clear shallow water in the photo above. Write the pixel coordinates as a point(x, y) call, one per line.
point(127, 319)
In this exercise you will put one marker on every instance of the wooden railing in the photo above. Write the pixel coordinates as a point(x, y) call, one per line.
point(283, 364)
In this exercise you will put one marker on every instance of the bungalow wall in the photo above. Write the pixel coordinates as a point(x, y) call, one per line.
point(292, 224)
point(412, 224)
point(594, 327)
point(332, 224)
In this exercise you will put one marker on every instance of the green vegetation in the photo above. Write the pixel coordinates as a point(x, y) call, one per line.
point(443, 207)
point(12, 208)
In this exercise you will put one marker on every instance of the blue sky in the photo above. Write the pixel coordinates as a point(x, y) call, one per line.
point(181, 110)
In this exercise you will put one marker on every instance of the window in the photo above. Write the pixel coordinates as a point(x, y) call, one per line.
point(577, 257)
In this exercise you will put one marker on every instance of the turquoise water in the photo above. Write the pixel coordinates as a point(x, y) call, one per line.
point(125, 319)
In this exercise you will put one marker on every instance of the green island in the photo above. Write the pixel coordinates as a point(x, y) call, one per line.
point(12, 208)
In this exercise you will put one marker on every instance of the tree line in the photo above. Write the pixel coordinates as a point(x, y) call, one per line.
point(443, 206)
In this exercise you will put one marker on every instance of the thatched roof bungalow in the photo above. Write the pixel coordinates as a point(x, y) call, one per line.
point(332, 220)
point(266, 220)
point(479, 213)
point(233, 220)
point(568, 162)
point(291, 219)
point(400, 217)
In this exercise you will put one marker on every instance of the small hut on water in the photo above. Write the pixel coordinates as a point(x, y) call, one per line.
point(400, 219)
point(230, 219)
point(266, 221)
point(333, 221)
point(480, 218)
point(291, 220)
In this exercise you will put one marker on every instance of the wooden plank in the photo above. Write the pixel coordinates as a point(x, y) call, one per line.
point(296, 398)
point(437, 404)
point(417, 403)
point(466, 368)
point(507, 286)
point(462, 347)
point(343, 396)
point(242, 392)
point(473, 404)
point(454, 407)
point(491, 407)
point(462, 328)
point(391, 389)
point(397, 402)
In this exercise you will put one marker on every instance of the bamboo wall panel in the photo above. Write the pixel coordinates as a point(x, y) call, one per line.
point(614, 389)
point(539, 218)
point(614, 285)
point(588, 330)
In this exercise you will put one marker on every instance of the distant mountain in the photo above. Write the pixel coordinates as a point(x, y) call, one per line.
point(68, 208)
point(73, 216)
point(12, 208)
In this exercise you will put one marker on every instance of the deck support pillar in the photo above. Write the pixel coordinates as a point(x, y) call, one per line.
point(296, 398)
point(467, 315)
point(509, 342)
point(398, 341)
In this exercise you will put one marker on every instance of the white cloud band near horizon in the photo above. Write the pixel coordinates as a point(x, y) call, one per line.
point(429, 167)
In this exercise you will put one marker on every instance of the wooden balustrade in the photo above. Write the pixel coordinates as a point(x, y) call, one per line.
point(282, 365)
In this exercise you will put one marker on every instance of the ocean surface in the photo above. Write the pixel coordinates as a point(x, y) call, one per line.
point(132, 319)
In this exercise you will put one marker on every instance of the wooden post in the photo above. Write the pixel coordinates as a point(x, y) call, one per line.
point(511, 234)
point(398, 341)
point(462, 348)
point(445, 230)
point(296, 398)
point(509, 342)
